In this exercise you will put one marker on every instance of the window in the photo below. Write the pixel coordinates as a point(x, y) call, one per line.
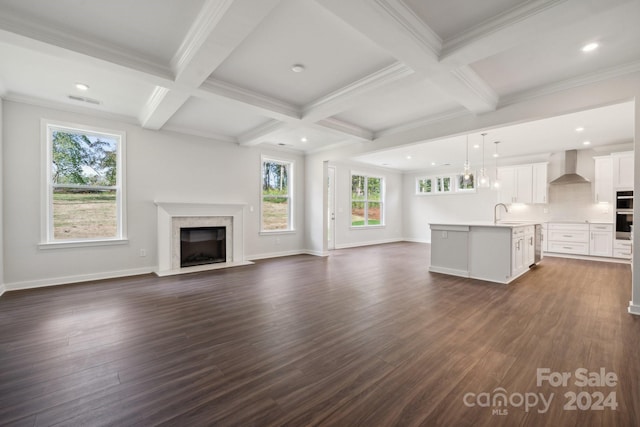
point(367, 199)
point(84, 184)
point(445, 184)
point(277, 190)
point(424, 185)
point(468, 184)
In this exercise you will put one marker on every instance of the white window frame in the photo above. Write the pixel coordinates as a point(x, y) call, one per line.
point(48, 240)
point(366, 201)
point(290, 173)
point(454, 187)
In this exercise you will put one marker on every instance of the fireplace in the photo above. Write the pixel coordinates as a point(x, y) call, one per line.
point(202, 245)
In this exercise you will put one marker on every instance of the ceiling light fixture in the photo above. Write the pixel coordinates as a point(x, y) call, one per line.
point(476, 146)
point(297, 68)
point(304, 139)
point(409, 157)
point(496, 182)
point(82, 86)
point(579, 129)
point(586, 143)
point(590, 47)
point(483, 180)
point(466, 171)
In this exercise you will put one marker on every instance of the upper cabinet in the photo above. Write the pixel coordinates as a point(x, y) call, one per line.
point(523, 184)
point(603, 183)
point(540, 186)
point(623, 170)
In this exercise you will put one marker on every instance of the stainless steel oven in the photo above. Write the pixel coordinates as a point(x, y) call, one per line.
point(624, 214)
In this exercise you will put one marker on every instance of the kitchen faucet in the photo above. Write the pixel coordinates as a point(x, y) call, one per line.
point(495, 211)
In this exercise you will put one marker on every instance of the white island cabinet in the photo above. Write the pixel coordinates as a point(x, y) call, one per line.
point(494, 252)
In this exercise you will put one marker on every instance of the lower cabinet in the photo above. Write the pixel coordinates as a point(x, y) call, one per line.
point(568, 238)
point(622, 249)
point(522, 249)
point(601, 240)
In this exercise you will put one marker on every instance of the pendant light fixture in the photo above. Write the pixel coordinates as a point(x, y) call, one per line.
point(466, 172)
point(496, 182)
point(483, 180)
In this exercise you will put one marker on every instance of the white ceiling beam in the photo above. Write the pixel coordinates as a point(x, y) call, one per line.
point(261, 133)
point(517, 26)
point(219, 29)
point(161, 105)
point(344, 98)
point(344, 128)
point(393, 26)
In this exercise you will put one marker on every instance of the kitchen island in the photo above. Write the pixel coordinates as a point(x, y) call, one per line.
point(497, 252)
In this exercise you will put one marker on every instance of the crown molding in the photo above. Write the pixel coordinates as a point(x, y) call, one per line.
point(331, 123)
point(210, 15)
point(255, 135)
point(271, 107)
point(335, 102)
point(436, 118)
point(583, 80)
point(413, 25)
point(56, 105)
point(480, 89)
point(152, 104)
point(496, 24)
point(17, 30)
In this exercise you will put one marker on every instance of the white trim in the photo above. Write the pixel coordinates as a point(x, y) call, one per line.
point(316, 253)
point(477, 86)
point(633, 309)
point(290, 165)
point(41, 283)
point(276, 254)
point(414, 240)
point(200, 268)
point(449, 271)
point(368, 243)
point(347, 129)
point(81, 243)
point(3, 289)
point(46, 196)
point(587, 257)
point(258, 134)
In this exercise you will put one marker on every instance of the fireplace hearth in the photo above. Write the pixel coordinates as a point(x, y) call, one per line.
point(202, 245)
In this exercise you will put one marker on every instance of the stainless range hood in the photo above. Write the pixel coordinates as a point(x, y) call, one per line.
point(569, 175)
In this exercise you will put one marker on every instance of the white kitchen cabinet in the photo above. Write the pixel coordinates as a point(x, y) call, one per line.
point(540, 192)
point(522, 250)
point(601, 240)
point(529, 247)
point(622, 249)
point(516, 184)
point(568, 238)
point(622, 170)
point(603, 185)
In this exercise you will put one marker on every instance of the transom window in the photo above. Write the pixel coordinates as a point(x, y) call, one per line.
point(84, 182)
point(367, 200)
point(277, 190)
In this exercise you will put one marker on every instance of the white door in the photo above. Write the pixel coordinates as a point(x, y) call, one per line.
point(331, 208)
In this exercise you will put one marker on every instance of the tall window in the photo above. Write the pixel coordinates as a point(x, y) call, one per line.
point(84, 184)
point(367, 198)
point(277, 190)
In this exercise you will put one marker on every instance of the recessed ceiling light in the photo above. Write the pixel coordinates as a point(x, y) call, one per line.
point(433, 163)
point(590, 47)
point(579, 129)
point(82, 86)
point(587, 143)
point(476, 145)
point(303, 139)
point(409, 157)
point(297, 68)
point(496, 155)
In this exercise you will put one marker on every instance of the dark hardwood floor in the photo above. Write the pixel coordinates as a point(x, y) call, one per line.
point(366, 336)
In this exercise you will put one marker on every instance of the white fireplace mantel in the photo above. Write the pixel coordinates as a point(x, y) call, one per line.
point(198, 212)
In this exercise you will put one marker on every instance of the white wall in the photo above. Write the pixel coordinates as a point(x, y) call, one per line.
point(161, 166)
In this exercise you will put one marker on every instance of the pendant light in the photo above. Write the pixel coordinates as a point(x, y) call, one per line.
point(466, 172)
point(483, 181)
point(496, 182)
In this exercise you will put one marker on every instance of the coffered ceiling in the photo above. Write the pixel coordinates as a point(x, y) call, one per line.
point(369, 68)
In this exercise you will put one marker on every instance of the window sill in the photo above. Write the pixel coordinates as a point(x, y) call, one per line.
point(271, 233)
point(366, 227)
point(81, 243)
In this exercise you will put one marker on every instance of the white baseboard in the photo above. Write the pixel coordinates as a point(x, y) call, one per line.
point(449, 271)
point(317, 253)
point(634, 309)
point(3, 289)
point(587, 257)
point(411, 239)
point(369, 243)
point(274, 255)
point(31, 284)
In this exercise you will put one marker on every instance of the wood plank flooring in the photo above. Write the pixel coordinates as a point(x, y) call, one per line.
point(366, 336)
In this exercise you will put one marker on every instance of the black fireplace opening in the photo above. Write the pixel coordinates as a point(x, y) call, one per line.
point(202, 245)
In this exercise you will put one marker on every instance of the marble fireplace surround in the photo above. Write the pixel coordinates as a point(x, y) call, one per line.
point(172, 216)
